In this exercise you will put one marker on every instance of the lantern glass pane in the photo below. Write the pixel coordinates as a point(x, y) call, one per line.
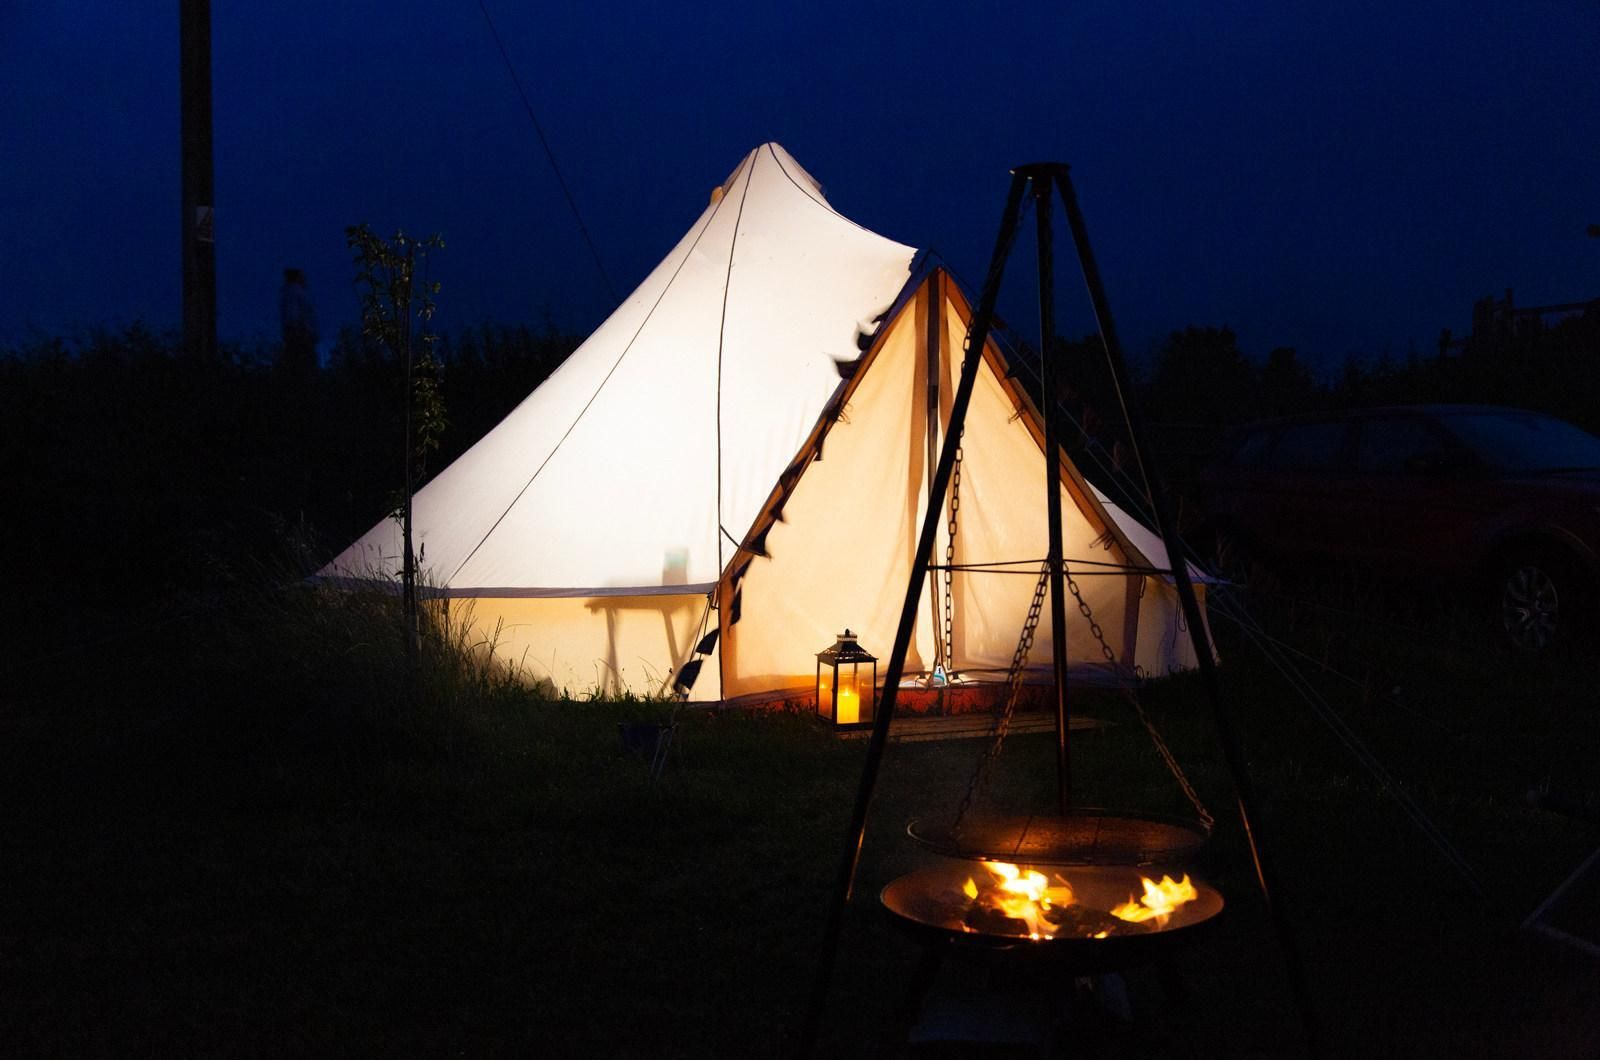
point(825, 691)
point(849, 698)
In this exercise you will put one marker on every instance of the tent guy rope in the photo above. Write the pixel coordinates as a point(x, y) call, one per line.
point(544, 142)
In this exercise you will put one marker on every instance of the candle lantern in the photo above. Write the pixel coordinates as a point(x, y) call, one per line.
point(847, 684)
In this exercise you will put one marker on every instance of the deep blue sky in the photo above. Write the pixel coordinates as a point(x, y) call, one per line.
point(1337, 177)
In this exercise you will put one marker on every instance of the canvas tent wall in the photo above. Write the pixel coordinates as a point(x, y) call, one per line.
point(669, 476)
point(834, 545)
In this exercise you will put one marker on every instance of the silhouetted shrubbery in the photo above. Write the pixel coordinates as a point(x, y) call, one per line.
point(139, 479)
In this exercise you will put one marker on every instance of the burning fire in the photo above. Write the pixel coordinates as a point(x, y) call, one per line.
point(1013, 900)
point(1022, 894)
point(1159, 901)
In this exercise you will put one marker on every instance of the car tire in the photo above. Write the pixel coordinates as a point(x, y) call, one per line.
point(1540, 600)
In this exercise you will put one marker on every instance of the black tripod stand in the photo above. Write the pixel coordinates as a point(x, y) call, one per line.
point(1042, 180)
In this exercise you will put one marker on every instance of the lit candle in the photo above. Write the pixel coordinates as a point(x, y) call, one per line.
point(849, 705)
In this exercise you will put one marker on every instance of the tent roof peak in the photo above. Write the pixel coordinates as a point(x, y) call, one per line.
point(772, 152)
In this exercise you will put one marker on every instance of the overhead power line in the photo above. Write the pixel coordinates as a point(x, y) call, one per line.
point(611, 288)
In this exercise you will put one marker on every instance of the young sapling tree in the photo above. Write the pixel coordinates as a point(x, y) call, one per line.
point(397, 309)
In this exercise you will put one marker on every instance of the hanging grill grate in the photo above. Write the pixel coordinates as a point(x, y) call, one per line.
point(1085, 837)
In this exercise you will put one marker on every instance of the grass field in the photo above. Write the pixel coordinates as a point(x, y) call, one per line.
point(239, 834)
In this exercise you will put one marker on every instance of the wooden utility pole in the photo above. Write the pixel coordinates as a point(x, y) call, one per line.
point(199, 240)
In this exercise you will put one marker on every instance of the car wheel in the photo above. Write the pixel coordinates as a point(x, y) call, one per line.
point(1538, 598)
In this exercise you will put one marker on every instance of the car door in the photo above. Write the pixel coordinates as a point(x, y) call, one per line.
point(1413, 495)
point(1305, 480)
point(1231, 489)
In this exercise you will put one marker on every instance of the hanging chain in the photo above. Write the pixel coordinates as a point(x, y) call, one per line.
point(949, 566)
point(1002, 724)
point(1019, 661)
point(1206, 820)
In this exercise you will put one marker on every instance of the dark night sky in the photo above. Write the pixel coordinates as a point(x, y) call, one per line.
point(1338, 177)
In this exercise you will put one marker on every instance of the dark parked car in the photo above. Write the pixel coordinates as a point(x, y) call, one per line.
point(1507, 498)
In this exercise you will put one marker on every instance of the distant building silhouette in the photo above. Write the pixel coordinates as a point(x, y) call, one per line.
point(1497, 321)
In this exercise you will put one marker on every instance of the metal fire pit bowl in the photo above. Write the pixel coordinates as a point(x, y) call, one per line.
point(1086, 837)
point(930, 904)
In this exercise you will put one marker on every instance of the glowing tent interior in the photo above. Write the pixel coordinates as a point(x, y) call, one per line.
point(698, 465)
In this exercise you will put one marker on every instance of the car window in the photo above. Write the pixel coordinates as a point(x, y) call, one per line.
point(1385, 446)
point(1515, 442)
point(1308, 447)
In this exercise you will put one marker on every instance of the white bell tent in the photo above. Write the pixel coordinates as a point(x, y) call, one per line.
point(698, 465)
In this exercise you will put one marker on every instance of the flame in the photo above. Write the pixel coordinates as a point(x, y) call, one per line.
point(1159, 901)
point(1021, 894)
point(1037, 902)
